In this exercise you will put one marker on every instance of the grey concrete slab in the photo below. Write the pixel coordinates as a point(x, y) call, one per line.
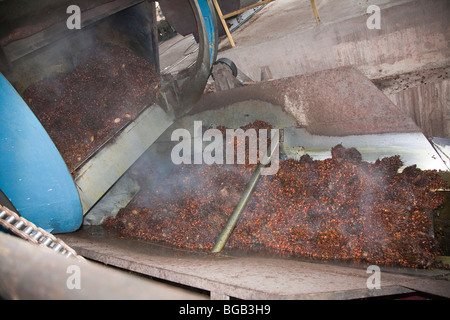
point(285, 37)
point(246, 277)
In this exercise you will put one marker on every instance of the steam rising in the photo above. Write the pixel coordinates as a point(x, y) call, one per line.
point(340, 208)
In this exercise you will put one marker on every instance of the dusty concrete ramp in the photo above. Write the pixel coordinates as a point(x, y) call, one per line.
point(334, 102)
point(284, 36)
point(330, 107)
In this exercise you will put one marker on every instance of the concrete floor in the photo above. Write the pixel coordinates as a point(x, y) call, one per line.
point(285, 38)
point(253, 276)
point(285, 34)
point(283, 17)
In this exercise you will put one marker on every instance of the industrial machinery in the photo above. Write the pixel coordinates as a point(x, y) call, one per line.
point(180, 16)
point(133, 27)
point(79, 184)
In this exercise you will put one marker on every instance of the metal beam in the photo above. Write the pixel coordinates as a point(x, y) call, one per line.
point(28, 271)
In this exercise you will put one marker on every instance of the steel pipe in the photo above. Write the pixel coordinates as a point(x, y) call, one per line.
point(232, 221)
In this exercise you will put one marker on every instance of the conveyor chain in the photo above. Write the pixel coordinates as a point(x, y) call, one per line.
point(30, 232)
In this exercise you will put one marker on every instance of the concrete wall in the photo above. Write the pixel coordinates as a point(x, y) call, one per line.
point(414, 36)
point(428, 105)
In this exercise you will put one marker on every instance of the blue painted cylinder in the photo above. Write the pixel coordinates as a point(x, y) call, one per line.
point(33, 175)
point(208, 13)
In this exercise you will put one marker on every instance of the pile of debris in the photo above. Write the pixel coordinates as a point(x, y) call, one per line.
point(340, 208)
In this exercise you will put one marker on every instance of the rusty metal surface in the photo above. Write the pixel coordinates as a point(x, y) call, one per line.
point(103, 169)
point(334, 102)
point(175, 98)
point(248, 277)
point(19, 39)
point(412, 147)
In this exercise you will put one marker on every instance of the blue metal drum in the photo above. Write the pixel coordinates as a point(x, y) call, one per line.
point(208, 13)
point(33, 174)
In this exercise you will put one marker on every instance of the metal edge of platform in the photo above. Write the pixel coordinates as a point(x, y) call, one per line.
point(257, 278)
point(48, 275)
point(108, 165)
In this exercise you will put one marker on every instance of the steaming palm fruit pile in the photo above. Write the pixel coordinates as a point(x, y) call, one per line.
point(81, 109)
point(340, 208)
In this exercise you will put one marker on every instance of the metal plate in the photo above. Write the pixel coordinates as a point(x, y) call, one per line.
point(248, 277)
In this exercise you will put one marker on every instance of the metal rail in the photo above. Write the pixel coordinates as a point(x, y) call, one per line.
point(232, 221)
